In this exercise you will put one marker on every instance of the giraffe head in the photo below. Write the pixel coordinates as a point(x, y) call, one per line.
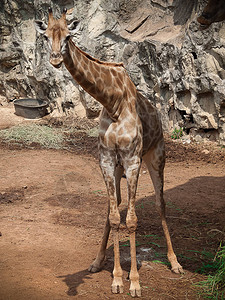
point(57, 33)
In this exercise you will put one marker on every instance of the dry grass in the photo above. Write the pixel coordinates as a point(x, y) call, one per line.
point(29, 134)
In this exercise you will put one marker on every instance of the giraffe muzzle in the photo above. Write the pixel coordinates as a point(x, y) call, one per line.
point(56, 59)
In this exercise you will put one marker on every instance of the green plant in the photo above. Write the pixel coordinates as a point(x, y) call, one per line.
point(214, 286)
point(151, 236)
point(140, 205)
point(160, 262)
point(174, 206)
point(177, 133)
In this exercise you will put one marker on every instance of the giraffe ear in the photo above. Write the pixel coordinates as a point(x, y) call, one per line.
point(40, 26)
point(74, 26)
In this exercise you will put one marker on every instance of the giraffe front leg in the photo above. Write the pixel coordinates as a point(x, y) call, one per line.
point(132, 173)
point(135, 289)
point(114, 217)
point(97, 263)
point(112, 178)
point(117, 284)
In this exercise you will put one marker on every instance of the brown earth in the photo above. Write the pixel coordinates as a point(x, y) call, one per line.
point(53, 210)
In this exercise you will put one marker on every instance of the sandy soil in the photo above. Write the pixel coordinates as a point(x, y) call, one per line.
point(53, 210)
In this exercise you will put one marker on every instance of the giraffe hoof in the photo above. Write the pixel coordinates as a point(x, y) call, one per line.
point(178, 269)
point(135, 293)
point(135, 290)
point(94, 268)
point(117, 286)
point(117, 289)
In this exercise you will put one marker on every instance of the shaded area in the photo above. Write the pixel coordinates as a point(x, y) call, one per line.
point(214, 11)
point(74, 280)
point(183, 10)
point(195, 214)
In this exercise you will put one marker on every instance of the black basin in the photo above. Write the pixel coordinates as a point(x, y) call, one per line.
point(30, 108)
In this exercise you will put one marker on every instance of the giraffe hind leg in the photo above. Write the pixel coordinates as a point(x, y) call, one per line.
point(96, 265)
point(155, 167)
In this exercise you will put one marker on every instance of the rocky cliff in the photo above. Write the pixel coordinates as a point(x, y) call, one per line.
point(159, 41)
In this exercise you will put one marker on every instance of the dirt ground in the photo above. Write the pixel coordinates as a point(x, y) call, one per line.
point(53, 210)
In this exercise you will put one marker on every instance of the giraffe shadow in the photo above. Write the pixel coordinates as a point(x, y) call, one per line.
point(194, 209)
point(73, 281)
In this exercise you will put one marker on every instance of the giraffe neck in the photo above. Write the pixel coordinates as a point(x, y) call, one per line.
point(106, 82)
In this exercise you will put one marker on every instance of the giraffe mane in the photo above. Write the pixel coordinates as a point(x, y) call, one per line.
point(113, 64)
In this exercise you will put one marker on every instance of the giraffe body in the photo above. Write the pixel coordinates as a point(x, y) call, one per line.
point(130, 129)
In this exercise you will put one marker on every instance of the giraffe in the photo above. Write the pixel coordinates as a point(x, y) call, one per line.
point(130, 130)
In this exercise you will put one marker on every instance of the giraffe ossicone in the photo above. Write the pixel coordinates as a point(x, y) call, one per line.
point(129, 130)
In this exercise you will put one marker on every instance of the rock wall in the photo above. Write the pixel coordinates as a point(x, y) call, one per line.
point(179, 67)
